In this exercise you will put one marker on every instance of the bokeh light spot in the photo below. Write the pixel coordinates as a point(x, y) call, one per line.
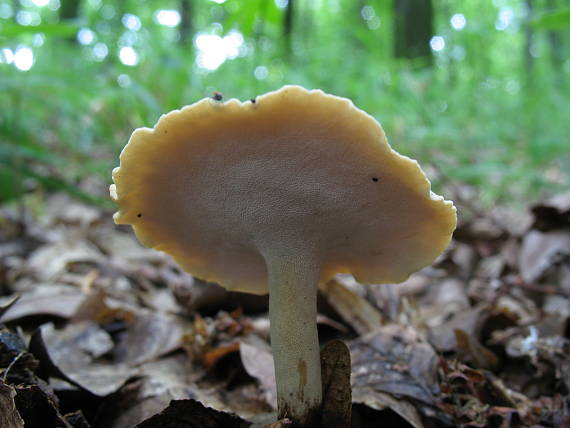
point(458, 21)
point(128, 56)
point(168, 17)
point(260, 72)
point(85, 36)
point(23, 58)
point(437, 43)
point(131, 22)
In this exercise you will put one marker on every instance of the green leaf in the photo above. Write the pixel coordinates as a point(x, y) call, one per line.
point(10, 185)
point(9, 29)
point(553, 20)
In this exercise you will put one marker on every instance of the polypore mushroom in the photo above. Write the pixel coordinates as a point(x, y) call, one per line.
point(275, 196)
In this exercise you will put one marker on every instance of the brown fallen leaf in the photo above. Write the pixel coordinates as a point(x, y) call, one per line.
point(472, 349)
point(52, 260)
point(9, 416)
point(405, 410)
point(353, 308)
point(55, 300)
point(70, 355)
point(192, 414)
point(76, 419)
point(61, 208)
point(17, 365)
point(336, 411)
point(394, 362)
point(37, 408)
point(159, 382)
point(443, 338)
point(476, 398)
point(552, 214)
point(444, 299)
point(125, 248)
point(8, 304)
point(212, 356)
point(283, 423)
point(541, 251)
point(257, 360)
point(149, 336)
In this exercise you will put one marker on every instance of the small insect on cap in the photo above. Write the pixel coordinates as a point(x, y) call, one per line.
point(220, 185)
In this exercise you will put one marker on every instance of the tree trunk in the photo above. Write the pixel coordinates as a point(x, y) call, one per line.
point(529, 40)
point(68, 11)
point(413, 29)
point(555, 44)
point(288, 26)
point(186, 24)
point(16, 8)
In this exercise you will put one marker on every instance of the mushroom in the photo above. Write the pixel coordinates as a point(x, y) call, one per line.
point(275, 196)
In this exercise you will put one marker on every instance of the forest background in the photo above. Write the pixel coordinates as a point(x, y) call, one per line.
point(477, 91)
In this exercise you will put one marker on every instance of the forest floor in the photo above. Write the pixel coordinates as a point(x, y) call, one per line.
point(98, 331)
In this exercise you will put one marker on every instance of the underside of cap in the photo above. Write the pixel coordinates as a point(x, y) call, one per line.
point(222, 186)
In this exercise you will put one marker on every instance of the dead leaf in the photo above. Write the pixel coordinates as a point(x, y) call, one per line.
point(444, 299)
point(442, 337)
point(55, 300)
point(541, 251)
point(78, 343)
point(161, 300)
point(404, 409)
point(257, 359)
point(76, 419)
point(125, 247)
point(212, 356)
point(8, 304)
point(192, 414)
point(149, 336)
point(161, 381)
point(61, 208)
point(471, 348)
point(553, 214)
point(465, 258)
point(283, 423)
point(336, 411)
point(476, 398)
point(352, 307)
point(52, 260)
point(394, 362)
point(70, 354)
point(17, 365)
point(37, 408)
point(9, 416)
point(324, 320)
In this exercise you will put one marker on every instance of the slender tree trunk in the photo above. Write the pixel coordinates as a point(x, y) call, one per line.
point(529, 41)
point(68, 11)
point(308, 23)
point(186, 24)
point(413, 29)
point(555, 44)
point(288, 26)
point(16, 8)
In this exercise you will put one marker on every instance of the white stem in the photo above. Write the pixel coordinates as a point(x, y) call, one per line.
point(293, 280)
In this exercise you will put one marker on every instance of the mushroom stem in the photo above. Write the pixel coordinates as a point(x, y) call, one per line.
point(293, 280)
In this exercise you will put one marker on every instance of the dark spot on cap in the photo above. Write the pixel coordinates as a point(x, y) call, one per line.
point(139, 215)
point(253, 100)
point(217, 96)
point(374, 179)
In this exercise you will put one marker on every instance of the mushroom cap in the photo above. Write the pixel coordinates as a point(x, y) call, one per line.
point(223, 186)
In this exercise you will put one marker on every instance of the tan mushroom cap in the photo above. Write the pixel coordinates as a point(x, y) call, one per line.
point(220, 185)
